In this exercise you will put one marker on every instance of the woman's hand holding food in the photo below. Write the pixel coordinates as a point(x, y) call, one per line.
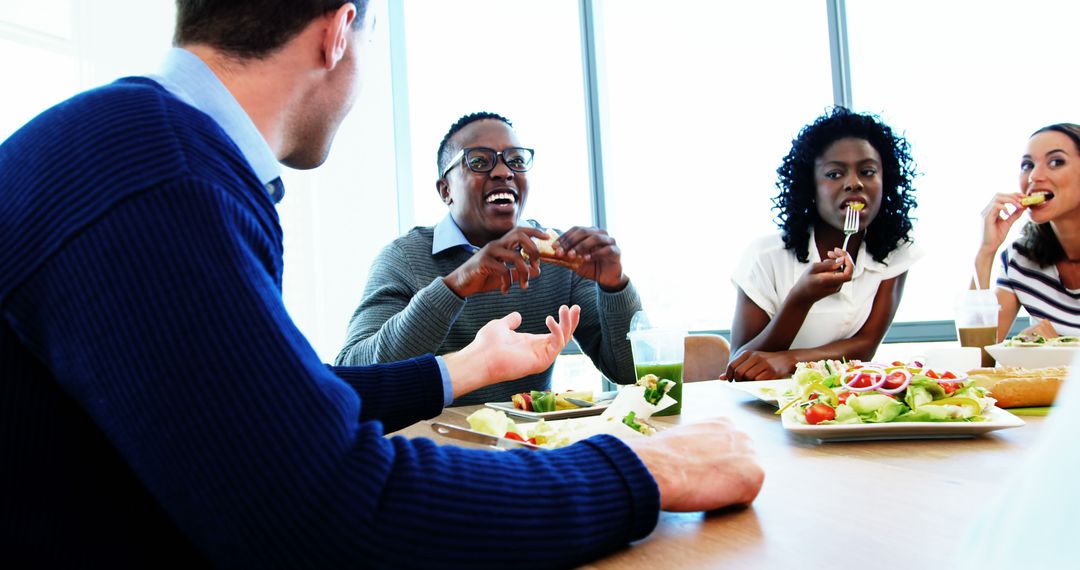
point(498, 353)
point(824, 278)
point(490, 268)
point(997, 221)
point(760, 365)
point(701, 466)
point(601, 258)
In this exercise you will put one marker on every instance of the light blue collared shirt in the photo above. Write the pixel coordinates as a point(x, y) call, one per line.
point(447, 235)
point(188, 78)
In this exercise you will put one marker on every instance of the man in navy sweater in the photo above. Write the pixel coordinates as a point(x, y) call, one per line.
point(140, 265)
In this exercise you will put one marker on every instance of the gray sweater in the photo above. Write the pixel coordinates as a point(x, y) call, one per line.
point(408, 311)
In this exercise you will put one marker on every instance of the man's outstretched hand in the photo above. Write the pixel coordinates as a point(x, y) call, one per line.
point(499, 353)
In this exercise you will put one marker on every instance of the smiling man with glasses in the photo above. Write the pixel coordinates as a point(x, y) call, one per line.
point(432, 289)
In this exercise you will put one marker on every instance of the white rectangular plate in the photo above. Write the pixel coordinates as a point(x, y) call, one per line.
point(999, 419)
point(596, 410)
point(764, 390)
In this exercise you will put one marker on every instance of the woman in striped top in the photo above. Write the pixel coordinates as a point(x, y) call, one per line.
point(1041, 270)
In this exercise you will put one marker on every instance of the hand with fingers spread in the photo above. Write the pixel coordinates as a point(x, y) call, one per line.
point(824, 278)
point(499, 353)
point(498, 265)
point(601, 257)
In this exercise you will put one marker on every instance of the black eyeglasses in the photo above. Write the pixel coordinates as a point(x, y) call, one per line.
point(482, 159)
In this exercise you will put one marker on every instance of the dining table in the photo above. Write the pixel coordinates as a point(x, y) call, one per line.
point(901, 503)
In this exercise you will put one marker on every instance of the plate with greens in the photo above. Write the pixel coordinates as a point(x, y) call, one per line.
point(851, 400)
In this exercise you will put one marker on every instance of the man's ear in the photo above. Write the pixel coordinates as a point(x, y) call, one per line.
point(444, 191)
point(336, 37)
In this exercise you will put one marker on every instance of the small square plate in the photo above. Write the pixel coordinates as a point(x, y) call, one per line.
point(764, 390)
point(605, 399)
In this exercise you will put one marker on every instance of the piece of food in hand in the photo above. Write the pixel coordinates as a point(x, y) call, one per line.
point(655, 387)
point(1032, 199)
point(547, 252)
point(1015, 387)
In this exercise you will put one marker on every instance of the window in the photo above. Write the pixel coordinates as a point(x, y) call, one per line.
point(979, 79)
point(519, 59)
point(703, 100)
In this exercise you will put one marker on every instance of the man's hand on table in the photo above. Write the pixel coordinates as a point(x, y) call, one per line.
point(701, 466)
point(498, 353)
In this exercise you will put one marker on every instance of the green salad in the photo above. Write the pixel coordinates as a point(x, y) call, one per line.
point(830, 392)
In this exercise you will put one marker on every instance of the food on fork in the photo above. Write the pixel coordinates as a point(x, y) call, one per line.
point(547, 252)
point(857, 206)
point(1032, 199)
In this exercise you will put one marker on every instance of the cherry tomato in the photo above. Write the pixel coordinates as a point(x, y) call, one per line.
point(948, 376)
point(819, 413)
point(893, 381)
point(843, 397)
point(861, 381)
point(932, 374)
point(898, 363)
point(532, 440)
point(514, 435)
point(949, 387)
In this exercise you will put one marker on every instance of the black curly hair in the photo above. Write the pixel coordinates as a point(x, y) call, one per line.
point(446, 151)
point(1038, 242)
point(795, 202)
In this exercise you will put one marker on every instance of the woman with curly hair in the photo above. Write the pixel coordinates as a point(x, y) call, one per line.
point(800, 296)
point(1041, 271)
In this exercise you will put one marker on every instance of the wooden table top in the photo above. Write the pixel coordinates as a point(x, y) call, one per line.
point(886, 504)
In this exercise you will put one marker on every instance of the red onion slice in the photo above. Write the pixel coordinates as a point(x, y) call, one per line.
point(903, 385)
point(850, 376)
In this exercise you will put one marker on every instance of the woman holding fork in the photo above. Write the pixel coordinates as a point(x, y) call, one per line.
point(802, 296)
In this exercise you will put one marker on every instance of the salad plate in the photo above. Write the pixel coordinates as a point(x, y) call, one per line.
point(997, 418)
point(1038, 356)
point(765, 390)
point(604, 399)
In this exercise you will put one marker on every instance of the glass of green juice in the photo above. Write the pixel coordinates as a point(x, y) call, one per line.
point(660, 352)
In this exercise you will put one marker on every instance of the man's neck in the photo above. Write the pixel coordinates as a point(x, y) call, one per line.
point(261, 88)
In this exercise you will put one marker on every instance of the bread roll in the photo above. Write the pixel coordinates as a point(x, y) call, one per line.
point(1015, 387)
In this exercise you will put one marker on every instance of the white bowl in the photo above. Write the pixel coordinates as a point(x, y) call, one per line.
point(1033, 356)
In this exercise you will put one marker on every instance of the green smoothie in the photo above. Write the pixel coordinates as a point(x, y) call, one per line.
point(671, 371)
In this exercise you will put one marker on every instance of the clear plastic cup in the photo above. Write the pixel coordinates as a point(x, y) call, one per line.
point(659, 351)
point(977, 319)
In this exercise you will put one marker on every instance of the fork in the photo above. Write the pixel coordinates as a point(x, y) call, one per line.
point(851, 224)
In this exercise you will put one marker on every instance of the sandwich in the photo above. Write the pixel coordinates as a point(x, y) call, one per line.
point(1032, 199)
point(548, 255)
point(1015, 387)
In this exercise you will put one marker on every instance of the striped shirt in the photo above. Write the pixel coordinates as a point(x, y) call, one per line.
point(1040, 291)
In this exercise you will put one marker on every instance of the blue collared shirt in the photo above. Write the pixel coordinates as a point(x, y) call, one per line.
point(447, 235)
point(188, 78)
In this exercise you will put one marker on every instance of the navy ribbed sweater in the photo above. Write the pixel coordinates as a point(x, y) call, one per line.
point(158, 406)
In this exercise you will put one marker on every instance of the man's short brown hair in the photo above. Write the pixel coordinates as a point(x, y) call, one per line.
point(250, 28)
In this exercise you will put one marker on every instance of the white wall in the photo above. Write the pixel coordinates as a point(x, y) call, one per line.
point(335, 218)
